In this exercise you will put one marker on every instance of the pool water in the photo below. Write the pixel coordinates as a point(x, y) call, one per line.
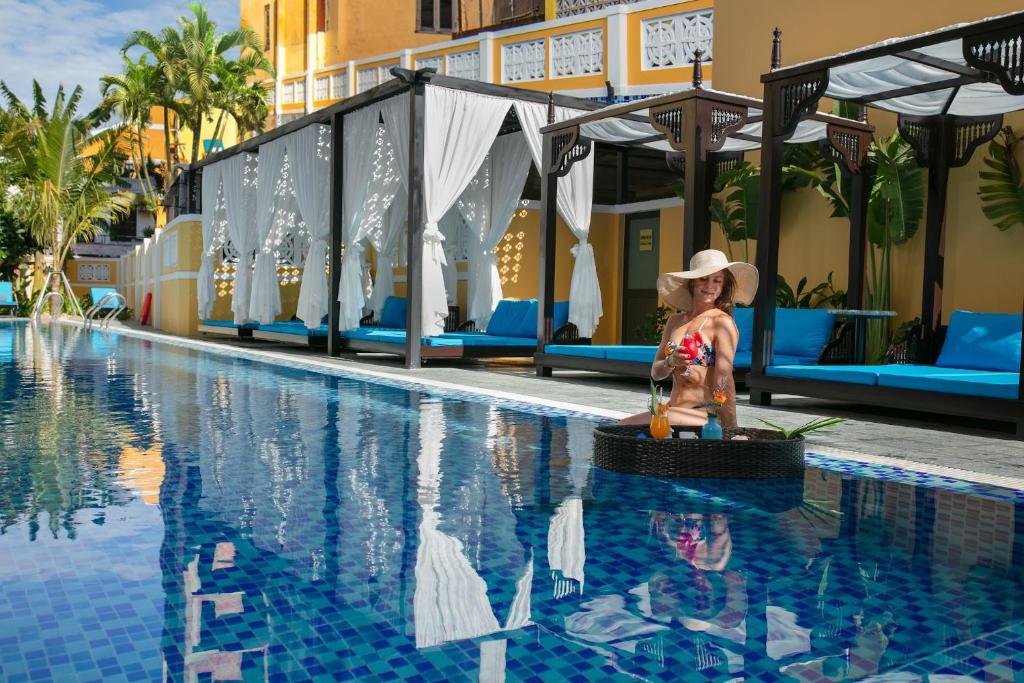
point(169, 514)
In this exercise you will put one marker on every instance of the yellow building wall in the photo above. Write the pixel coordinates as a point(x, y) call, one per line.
point(178, 299)
point(80, 287)
point(981, 263)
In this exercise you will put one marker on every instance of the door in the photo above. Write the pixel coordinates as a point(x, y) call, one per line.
point(640, 275)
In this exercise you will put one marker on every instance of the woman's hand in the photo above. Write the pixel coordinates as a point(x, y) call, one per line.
point(677, 361)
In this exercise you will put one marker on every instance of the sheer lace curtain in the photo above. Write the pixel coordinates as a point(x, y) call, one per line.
point(385, 238)
point(265, 304)
point(309, 154)
point(575, 203)
point(239, 181)
point(459, 128)
point(488, 205)
point(211, 188)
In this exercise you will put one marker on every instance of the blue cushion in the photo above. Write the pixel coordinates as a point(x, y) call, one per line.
point(230, 323)
point(527, 325)
point(578, 350)
point(488, 339)
point(505, 319)
point(854, 374)
point(637, 354)
point(391, 336)
point(988, 384)
point(744, 318)
point(982, 341)
point(393, 313)
point(296, 328)
point(6, 293)
point(802, 331)
point(98, 293)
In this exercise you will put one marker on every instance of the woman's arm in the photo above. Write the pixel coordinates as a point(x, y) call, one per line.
point(726, 339)
point(663, 365)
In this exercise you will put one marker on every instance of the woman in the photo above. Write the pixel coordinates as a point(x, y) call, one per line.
point(702, 336)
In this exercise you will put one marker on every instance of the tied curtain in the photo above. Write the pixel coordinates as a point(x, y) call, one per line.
point(309, 156)
point(239, 181)
point(575, 201)
point(211, 189)
point(459, 129)
point(265, 304)
point(487, 205)
point(370, 184)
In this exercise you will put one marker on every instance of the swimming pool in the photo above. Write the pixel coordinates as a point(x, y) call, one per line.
point(172, 514)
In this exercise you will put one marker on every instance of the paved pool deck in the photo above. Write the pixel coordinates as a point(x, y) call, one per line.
point(941, 445)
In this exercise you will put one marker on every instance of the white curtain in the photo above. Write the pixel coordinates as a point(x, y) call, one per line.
point(567, 550)
point(371, 182)
point(309, 156)
point(239, 180)
point(488, 204)
point(451, 229)
point(459, 128)
point(265, 304)
point(575, 201)
point(385, 240)
point(211, 199)
point(395, 113)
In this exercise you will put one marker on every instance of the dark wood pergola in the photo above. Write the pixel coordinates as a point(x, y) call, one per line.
point(415, 83)
point(992, 55)
point(696, 124)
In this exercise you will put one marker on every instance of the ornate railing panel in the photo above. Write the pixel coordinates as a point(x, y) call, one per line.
point(463, 64)
point(671, 41)
point(577, 54)
point(568, 8)
point(523, 61)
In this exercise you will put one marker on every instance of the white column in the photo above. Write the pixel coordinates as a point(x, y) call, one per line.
point(311, 51)
point(279, 65)
point(351, 71)
point(616, 46)
point(487, 58)
point(408, 60)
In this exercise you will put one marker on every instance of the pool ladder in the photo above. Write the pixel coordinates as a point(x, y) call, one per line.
point(101, 306)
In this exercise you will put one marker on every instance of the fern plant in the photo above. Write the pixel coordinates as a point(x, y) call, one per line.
point(1002, 198)
point(812, 426)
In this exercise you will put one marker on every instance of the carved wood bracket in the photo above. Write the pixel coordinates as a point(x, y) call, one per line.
point(796, 99)
point(999, 54)
point(568, 147)
point(717, 121)
point(963, 134)
point(668, 120)
point(851, 144)
point(970, 132)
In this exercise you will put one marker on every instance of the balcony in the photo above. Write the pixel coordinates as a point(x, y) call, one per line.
point(486, 15)
point(569, 8)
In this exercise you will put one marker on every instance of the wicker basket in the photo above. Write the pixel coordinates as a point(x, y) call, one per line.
point(764, 455)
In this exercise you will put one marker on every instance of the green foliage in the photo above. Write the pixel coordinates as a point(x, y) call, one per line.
point(822, 294)
point(1002, 198)
point(650, 329)
point(16, 244)
point(806, 167)
point(806, 428)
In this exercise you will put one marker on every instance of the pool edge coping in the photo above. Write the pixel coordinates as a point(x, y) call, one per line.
point(334, 367)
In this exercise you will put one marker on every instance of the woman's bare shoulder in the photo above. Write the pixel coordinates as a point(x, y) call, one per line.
point(676, 319)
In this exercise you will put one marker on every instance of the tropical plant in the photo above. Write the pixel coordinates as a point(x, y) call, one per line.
point(895, 210)
point(812, 426)
point(16, 245)
point(1002, 199)
point(822, 294)
point(194, 59)
point(64, 193)
point(736, 213)
point(650, 328)
point(131, 96)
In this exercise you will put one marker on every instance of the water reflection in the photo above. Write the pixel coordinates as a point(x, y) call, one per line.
point(312, 526)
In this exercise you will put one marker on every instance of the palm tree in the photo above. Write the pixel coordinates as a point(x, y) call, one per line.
point(65, 194)
point(193, 57)
point(244, 101)
point(130, 95)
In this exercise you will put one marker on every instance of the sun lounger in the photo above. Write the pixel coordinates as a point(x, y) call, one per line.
point(7, 301)
point(227, 328)
point(293, 332)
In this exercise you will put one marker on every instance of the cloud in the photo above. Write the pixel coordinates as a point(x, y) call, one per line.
point(74, 42)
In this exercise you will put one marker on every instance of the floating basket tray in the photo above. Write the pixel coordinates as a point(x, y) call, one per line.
point(764, 454)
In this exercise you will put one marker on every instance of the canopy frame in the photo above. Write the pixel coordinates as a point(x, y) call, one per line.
point(940, 141)
point(696, 123)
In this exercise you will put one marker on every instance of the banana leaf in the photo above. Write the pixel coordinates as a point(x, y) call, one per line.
point(896, 204)
point(1002, 199)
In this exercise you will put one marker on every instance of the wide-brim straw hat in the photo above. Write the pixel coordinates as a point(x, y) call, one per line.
point(673, 286)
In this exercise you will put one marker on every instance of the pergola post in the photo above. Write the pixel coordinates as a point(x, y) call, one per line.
point(935, 229)
point(414, 242)
point(860, 185)
point(770, 212)
point(696, 220)
point(548, 239)
point(334, 241)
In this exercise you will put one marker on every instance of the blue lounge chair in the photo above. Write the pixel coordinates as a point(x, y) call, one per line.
point(805, 337)
point(511, 331)
point(7, 300)
point(293, 332)
point(227, 328)
point(980, 358)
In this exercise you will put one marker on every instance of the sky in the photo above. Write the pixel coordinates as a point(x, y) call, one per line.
point(74, 42)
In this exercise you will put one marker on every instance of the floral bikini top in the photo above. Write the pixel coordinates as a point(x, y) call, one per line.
point(693, 345)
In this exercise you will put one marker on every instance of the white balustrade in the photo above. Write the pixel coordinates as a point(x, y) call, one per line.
point(366, 79)
point(323, 88)
point(671, 41)
point(577, 54)
point(523, 61)
point(432, 62)
point(463, 64)
point(339, 85)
